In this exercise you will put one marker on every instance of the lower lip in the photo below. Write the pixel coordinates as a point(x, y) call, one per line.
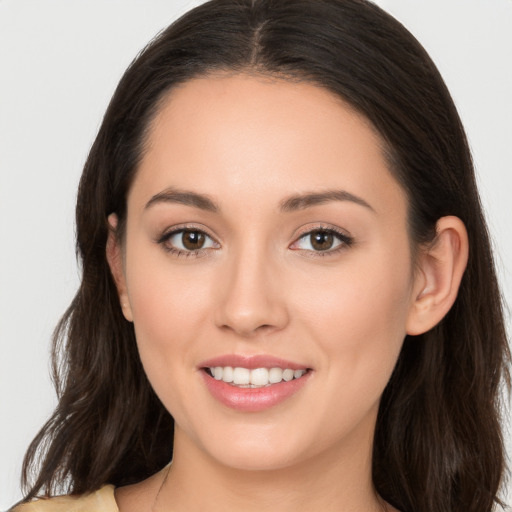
point(253, 399)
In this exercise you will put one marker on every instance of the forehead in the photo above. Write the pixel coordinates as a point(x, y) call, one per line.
point(226, 134)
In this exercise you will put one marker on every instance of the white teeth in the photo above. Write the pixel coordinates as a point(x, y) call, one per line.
point(287, 374)
point(256, 377)
point(227, 374)
point(241, 376)
point(275, 375)
point(259, 376)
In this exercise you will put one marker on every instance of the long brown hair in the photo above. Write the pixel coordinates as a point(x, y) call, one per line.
point(438, 444)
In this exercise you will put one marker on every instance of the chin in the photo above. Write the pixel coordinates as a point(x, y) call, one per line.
point(253, 449)
point(256, 459)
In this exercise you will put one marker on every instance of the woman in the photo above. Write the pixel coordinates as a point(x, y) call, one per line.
point(287, 284)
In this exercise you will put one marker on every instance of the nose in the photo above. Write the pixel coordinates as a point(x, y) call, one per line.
point(252, 297)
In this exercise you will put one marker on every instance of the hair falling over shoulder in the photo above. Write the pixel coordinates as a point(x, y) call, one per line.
point(438, 442)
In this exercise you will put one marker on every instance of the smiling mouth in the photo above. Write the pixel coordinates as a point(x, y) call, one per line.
point(255, 377)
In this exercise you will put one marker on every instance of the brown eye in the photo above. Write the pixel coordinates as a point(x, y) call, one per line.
point(188, 241)
point(321, 240)
point(193, 240)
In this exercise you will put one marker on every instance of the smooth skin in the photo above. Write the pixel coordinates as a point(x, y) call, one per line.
point(239, 161)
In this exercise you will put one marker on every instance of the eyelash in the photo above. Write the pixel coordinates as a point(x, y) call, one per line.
point(181, 253)
point(345, 240)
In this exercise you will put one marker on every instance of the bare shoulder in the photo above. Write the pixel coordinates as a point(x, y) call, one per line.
point(100, 501)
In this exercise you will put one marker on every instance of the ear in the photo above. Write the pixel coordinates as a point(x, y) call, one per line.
point(441, 267)
point(115, 262)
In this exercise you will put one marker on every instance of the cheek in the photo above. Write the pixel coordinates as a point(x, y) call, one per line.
point(167, 311)
point(358, 319)
point(367, 293)
point(167, 320)
point(164, 307)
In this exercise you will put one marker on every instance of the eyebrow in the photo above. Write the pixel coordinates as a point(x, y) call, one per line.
point(291, 204)
point(303, 201)
point(172, 195)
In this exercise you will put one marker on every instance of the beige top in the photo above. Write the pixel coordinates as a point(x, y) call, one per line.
point(100, 501)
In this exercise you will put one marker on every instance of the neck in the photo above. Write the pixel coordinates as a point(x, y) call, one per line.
point(336, 480)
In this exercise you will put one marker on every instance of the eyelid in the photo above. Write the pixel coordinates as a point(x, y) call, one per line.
point(345, 239)
point(343, 236)
point(321, 226)
point(168, 233)
point(185, 227)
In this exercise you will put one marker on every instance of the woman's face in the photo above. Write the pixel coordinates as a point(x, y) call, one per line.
point(265, 233)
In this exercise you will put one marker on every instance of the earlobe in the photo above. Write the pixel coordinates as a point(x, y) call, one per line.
point(115, 262)
point(441, 267)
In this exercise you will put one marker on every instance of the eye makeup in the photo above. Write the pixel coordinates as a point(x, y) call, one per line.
point(322, 241)
point(191, 241)
point(187, 241)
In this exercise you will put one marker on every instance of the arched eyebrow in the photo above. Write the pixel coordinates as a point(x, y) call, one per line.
point(290, 204)
point(185, 197)
point(303, 201)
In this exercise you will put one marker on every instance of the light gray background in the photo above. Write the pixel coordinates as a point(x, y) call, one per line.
point(59, 64)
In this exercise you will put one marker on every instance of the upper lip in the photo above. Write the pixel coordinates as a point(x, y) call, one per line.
point(251, 362)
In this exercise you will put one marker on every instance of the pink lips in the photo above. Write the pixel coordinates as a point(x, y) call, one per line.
point(251, 362)
point(252, 399)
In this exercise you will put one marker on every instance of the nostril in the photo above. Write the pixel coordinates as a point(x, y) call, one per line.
point(249, 330)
